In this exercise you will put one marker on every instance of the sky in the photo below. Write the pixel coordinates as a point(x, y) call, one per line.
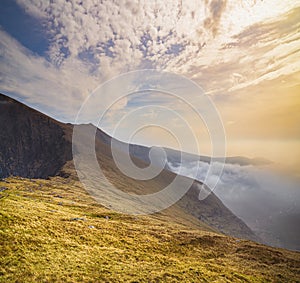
point(244, 54)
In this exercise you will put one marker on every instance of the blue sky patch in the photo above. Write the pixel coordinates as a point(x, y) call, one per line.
point(26, 29)
point(175, 49)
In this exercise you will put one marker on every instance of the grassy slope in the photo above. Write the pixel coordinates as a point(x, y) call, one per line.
point(41, 242)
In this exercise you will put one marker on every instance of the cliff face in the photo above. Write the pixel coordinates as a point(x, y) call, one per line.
point(32, 145)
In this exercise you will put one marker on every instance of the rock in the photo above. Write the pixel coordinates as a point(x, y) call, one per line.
point(2, 189)
point(58, 196)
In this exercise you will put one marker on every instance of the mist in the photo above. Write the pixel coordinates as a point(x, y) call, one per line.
point(267, 201)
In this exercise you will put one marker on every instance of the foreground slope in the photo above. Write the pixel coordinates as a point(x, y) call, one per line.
point(35, 146)
point(52, 231)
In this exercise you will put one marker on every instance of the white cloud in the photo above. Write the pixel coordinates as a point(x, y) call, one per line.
point(59, 92)
point(223, 45)
point(260, 197)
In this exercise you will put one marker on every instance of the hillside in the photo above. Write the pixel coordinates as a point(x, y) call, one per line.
point(53, 231)
point(36, 146)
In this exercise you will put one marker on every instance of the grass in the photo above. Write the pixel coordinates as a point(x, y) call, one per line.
point(52, 231)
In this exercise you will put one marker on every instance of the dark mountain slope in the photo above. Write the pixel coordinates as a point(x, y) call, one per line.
point(31, 144)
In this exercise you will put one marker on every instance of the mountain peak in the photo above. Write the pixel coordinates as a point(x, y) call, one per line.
point(4, 99)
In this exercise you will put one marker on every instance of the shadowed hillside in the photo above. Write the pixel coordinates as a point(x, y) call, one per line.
point(31, 144)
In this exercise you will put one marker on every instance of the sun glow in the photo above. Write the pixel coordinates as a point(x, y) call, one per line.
point(248, 13)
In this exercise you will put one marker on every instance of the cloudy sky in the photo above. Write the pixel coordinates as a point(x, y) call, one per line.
point(244, 54)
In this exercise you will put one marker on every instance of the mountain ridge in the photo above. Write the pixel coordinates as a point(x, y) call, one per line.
point(47, 146)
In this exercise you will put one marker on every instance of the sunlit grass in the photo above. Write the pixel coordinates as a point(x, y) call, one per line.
point(52, 231)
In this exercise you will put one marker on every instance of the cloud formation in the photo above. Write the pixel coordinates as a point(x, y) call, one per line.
point(37, 82)
point(223, 45)
point(260, 197)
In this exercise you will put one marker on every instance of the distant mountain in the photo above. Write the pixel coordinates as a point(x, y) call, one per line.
point(33, 145)
point(175, 156)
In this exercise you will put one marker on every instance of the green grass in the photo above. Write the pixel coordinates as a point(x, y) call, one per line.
point(41, 242)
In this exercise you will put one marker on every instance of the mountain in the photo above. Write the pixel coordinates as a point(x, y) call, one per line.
point(36, 146)
point(175, 156)
point(52, 230)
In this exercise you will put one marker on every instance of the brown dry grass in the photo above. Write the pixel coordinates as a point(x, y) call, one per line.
point(41, 241)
